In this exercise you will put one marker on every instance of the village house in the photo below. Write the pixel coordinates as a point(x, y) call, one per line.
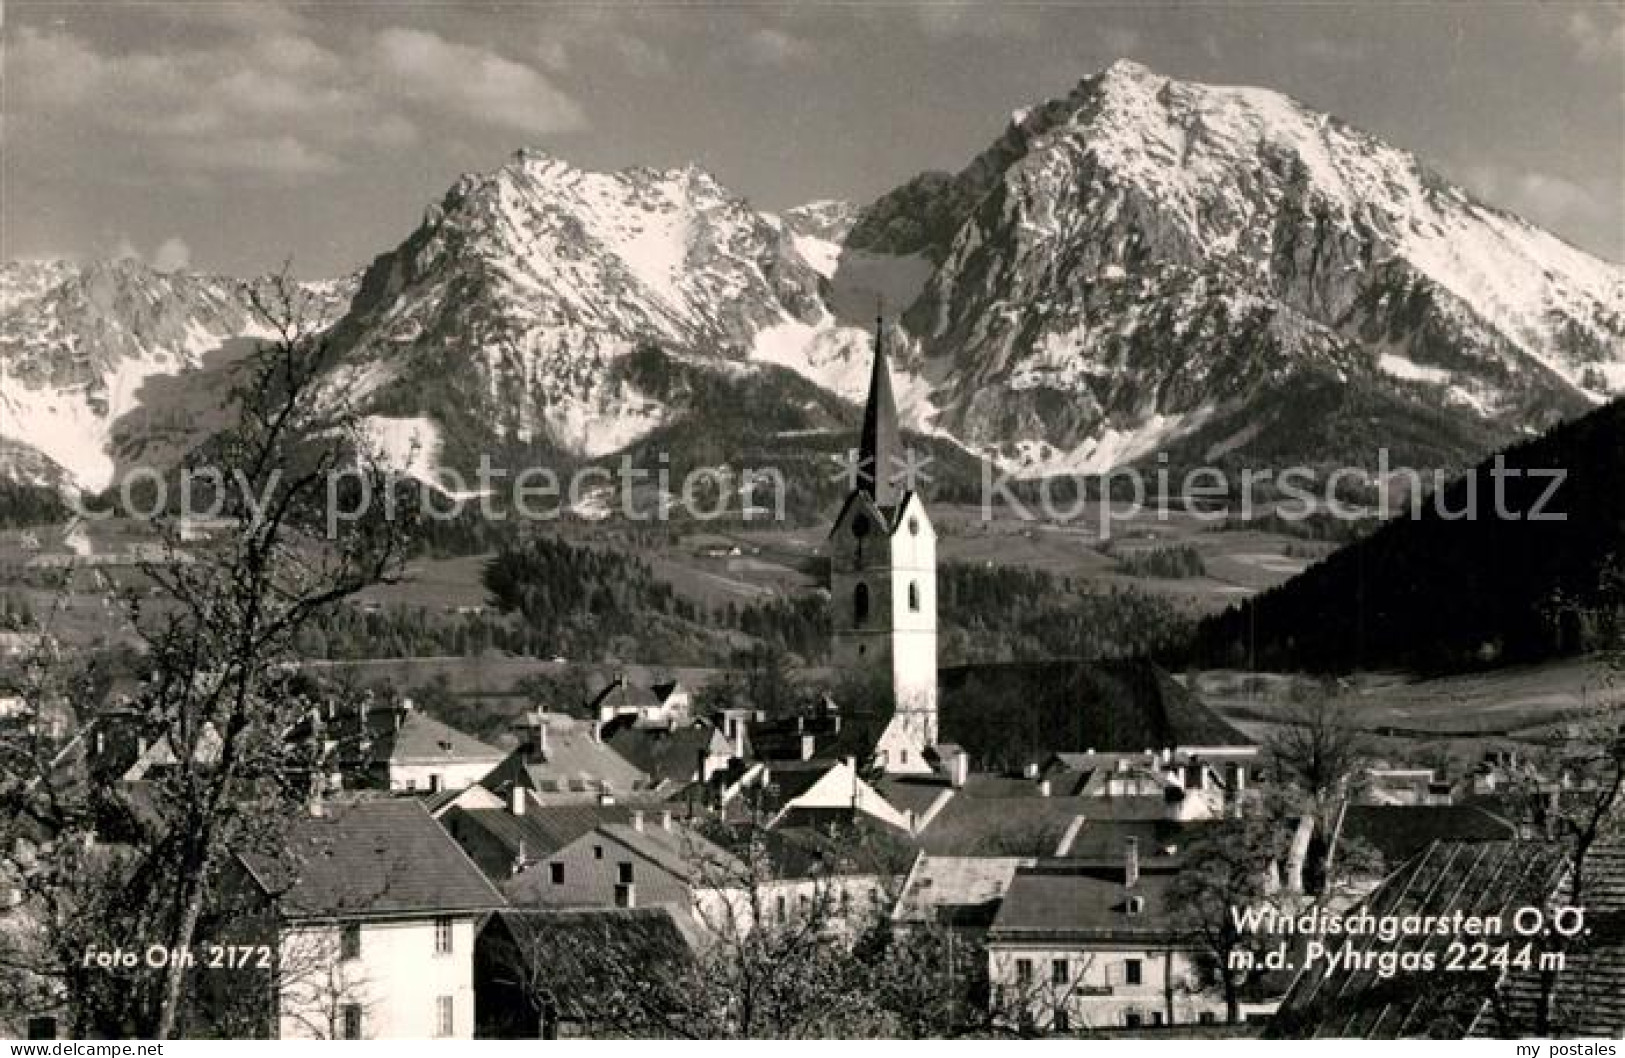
point(650, 860)
point(373, 916)
point(505, 839)
point(1516, 995)
point(663, 705)
point(556, 973)
point(562, 760)
point(1089, 944)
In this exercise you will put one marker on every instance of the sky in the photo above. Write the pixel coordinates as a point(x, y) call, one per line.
point(234, 136)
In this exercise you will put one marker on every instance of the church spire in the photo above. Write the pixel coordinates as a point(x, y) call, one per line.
point(880, 447)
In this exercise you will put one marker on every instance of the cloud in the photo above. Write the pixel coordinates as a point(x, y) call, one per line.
point(1545, 198)
point(1120, 42)
point(769, 46)
point(257, 98)
point(951, 19)
point(471, 83)
point(1598, 33)
point(1329, 49)
point(172, 255)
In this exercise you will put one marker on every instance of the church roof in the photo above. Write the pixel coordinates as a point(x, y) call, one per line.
point(880, 445)
point(1009, 715)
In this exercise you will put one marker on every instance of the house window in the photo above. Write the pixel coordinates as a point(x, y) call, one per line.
point(1132, 1019)
point(350, 1021)
point(598, 852)
point(1131, 972)
point(860, 604)
point(913, 596)
point(42, 1028)
point(913, 526)
point(445, 1023)
point(350, 941)
point(555, 873)
point(623, 872)
point(1062, 1023)
point(1058, 971)
point(1156, 1018)
point(1024, 971)
point(1207, 1017)
point(442, 936)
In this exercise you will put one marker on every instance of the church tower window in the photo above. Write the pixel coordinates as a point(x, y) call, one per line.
point(913, 597)
point(860, 604)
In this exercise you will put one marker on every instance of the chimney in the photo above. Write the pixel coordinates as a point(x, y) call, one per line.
point(606, 797)
point(1030, 771)
point(665, 819)
point(317, 809)
point(516, 800)
point(851, 763)
point(959, 769)
point(809, 746)
point(739, 738)
point(637, 821)
point(1043, 788)
point(406, 705)
point(1131, 863)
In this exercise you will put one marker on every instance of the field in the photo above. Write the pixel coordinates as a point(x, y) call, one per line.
point(1456, 716)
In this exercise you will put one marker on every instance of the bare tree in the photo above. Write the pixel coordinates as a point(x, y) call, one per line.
point(216, 623)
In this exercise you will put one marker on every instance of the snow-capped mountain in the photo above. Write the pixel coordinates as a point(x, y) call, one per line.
point(81, 347)
point(1146, 260)
point(524, 290)
point(1143, 263)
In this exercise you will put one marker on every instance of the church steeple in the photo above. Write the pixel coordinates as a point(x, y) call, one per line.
point(880, 447)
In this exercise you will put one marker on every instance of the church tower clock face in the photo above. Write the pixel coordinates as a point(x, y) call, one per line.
point(883, 582)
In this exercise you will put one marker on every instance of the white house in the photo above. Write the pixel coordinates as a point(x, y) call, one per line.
point(375, 913)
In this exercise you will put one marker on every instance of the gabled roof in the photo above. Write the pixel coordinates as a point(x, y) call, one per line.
point(541, 829)
point(622, 694)
point(1474, 878)
point(987, 826)
point(421, 739)
point(669, 755)
point(1008, 715)
point(372, 858)
point(580, 957)
point(1080, 900)
point(680, 850)
point(1588, 996)
point(574, 763)
point(1399, 832)
point(960, 890)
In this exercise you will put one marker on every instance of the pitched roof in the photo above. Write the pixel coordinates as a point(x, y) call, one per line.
point(880, 444)
point(1474, 878)
point(421, 738)
point(1076, 900)
point(668, 755)
point(960, 890)
point(574, 763)
point(1399, 832)
point(580, 957)
point(680, 850)
point(376, 857)
point(912, 795)
point(984, 826)
point(543, 829)
point(621, 693)
point(1587, 997)
point(1009, 715)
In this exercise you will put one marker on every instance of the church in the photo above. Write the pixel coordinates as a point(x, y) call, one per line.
point(1010, 718)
